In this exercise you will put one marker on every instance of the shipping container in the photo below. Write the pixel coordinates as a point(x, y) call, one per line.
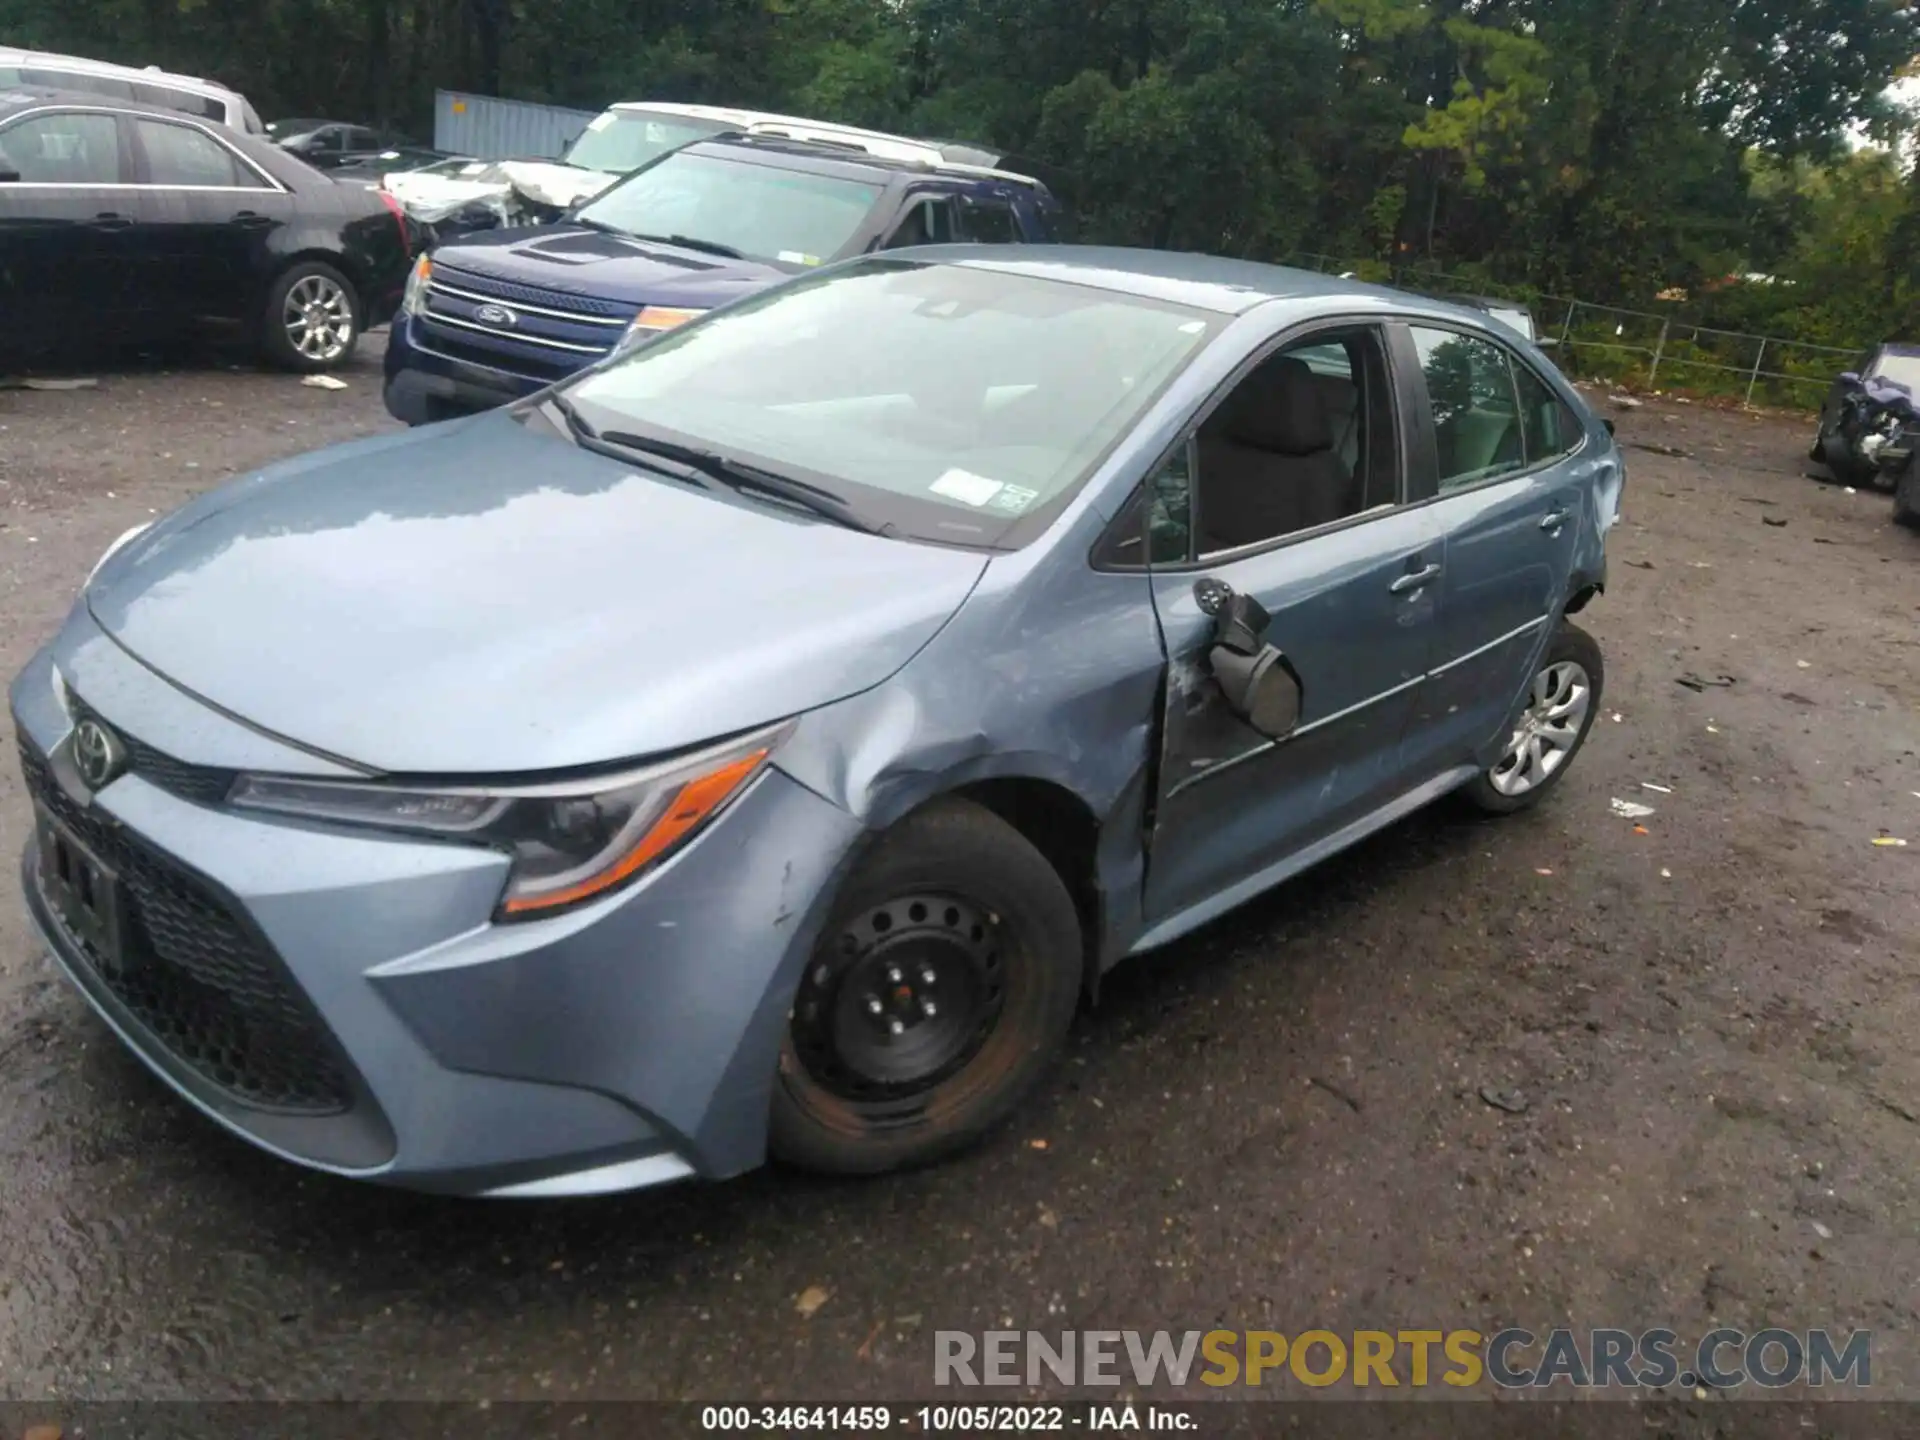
point(489, 128)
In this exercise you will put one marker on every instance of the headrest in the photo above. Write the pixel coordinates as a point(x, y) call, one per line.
point(1279, 407)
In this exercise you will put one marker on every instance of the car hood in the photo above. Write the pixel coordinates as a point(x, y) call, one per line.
point(483, 599)
point(609, 266)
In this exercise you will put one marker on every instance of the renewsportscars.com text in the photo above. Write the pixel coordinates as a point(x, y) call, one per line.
point(1512, 1359)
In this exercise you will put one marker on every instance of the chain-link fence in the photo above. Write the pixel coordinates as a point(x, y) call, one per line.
point(1636, 347)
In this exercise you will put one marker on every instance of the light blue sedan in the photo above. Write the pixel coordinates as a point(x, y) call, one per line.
point(760, 743)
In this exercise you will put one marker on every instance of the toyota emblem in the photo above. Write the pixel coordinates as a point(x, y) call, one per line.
point(97, 753)
point(496, 315)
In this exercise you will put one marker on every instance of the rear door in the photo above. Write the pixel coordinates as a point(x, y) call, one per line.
point(206, 221)
point(1509, 470)
point(64, 218)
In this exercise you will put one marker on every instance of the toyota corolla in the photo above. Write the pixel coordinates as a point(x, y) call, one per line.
point(761, 742)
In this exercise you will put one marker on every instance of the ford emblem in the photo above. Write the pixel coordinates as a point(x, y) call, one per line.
point(496, 315)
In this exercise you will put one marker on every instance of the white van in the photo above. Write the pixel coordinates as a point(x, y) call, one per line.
point(152, 86)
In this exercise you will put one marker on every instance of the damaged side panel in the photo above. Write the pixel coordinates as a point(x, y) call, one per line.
point(1072, 708)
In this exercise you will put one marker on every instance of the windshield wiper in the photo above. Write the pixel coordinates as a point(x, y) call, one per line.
point(692, 461)
point(742, 476)
point(688, 242)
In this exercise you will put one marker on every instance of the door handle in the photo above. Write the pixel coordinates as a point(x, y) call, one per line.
point(1415, 580)
point(252, 220)
point(1553, 520)
point(108, 220)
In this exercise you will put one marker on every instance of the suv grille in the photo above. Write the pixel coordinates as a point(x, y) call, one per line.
point(521, 329)
point(209, 993)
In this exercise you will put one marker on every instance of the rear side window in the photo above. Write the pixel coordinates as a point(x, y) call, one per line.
point(181, 155)
point(1476, 417)
point(988, 221)
point(185, 101)
point(63, 149)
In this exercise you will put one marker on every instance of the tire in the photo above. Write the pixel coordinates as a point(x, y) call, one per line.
point(294, 344)
point(956, 894)
point(1574, 658)
point(1906, 496)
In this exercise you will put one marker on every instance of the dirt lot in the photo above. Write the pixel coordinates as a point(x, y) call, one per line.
point(1277, 1124)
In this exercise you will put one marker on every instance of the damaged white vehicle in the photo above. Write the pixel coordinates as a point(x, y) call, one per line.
point(496, 194)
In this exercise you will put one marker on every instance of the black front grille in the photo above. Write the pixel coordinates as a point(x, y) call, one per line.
point(202, 784)
point(211, 994)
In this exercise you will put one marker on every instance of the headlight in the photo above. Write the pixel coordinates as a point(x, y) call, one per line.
point(654, 319)
point(112, 550)
point(414, 300)
point(570, 841)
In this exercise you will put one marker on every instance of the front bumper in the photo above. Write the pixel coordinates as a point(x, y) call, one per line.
point(423, 386)
point(625, 1044)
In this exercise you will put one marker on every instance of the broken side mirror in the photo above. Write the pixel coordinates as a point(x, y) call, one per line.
point(1258, 681)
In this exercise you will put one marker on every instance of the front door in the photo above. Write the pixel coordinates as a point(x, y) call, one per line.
point(1289, 492)
point(1511, 479)
point(63, 229)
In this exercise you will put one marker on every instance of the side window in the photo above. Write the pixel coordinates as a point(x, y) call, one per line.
point(358, 139)
point(185, 101)
point(1476, 419)
point(65, 149)
point(181, 155)
point(1547, 426)
point(1305, 439)
point(928, 221)
point(988, 221)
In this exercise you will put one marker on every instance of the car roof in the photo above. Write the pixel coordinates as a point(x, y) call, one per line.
point(1900, 347)
point(153, 75)
point(846, 161)
point(1206, 282)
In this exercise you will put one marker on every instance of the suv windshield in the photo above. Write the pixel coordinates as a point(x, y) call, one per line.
point(762, 211)
point(947, 400)
point(622, 140)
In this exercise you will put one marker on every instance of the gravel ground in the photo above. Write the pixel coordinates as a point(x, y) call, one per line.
point(1706, 1031)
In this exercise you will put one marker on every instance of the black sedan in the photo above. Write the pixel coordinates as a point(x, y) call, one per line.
point(127, 225)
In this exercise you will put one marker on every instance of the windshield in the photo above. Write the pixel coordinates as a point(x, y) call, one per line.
point(622, 140)
point(762, 211)
point(1900, 369)
point(947, 400)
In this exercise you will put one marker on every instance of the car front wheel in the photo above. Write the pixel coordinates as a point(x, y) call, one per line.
point(1562, 701)
point(941, 987)
point(311, 320)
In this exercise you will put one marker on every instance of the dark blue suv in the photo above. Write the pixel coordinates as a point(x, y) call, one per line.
point(502, 314)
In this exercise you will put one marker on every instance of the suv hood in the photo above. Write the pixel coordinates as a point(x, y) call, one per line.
point(483, 599)
point(610, 266)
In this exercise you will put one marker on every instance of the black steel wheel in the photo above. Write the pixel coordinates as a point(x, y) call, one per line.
point(937, 993)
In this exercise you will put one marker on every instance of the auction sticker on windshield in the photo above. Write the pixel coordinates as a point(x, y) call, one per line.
point(966, 487)
point(1013, 499)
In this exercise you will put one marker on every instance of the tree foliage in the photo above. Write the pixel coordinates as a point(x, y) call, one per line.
point(1613, 149)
